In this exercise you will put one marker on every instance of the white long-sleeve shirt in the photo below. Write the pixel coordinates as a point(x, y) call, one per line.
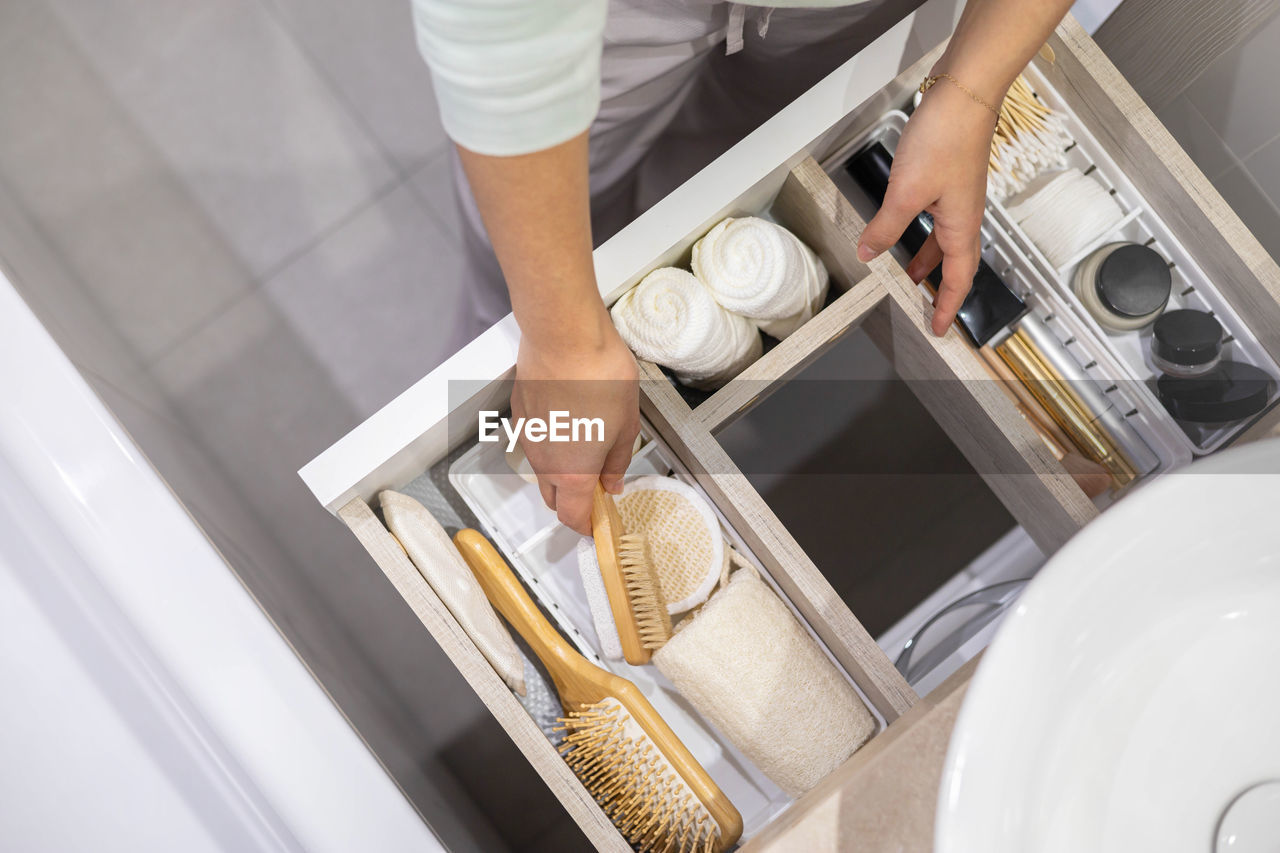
point(516, 76)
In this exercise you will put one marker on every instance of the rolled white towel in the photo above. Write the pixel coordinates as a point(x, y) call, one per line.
point(671, 319)
point(761, 270)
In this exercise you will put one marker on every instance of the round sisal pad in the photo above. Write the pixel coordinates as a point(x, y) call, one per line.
point(685, 542)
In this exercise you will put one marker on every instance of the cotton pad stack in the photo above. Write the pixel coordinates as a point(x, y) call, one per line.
point(1065, 212)
point(670, 318)
point(747, 666)
point(762, 271)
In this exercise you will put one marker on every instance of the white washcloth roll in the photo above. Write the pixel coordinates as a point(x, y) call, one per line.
point(761, 270)
point(671, 319)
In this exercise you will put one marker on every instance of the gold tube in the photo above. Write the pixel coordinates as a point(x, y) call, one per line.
point(1030, 407)
point(1051, 390)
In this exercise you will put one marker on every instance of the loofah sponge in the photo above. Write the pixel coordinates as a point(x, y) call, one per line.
point(748, 667)
point(685, 544)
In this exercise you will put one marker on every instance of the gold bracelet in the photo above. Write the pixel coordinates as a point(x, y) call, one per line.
point(929, 81)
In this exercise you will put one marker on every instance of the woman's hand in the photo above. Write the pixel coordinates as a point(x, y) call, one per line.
point(590, 373)
point(940, 167)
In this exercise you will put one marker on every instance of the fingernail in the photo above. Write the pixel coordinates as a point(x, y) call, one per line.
point(866, 253)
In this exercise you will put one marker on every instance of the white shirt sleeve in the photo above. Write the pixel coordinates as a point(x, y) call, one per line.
point(513, 76)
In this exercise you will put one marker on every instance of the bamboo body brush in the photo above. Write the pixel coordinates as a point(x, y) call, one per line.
point(630, 582)
point(645, 779)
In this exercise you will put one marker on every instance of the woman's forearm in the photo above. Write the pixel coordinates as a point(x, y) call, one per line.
point(536, 209)
point(994, 41)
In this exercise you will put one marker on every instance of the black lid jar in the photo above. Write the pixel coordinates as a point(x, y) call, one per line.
point(1124, 286)
point(1186, 342)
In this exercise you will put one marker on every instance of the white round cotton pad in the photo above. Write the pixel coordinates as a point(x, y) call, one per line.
point(685, 542)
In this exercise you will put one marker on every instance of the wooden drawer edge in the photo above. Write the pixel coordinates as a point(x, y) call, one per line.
point(791, 356)
point(948, 378)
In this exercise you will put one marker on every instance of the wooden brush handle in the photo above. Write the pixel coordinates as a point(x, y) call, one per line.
point(509, 597)
point(606, 529)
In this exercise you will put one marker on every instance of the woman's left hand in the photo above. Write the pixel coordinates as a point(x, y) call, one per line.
point(940, 167)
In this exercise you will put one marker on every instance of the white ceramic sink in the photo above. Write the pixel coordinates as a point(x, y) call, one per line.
point(1133, 695)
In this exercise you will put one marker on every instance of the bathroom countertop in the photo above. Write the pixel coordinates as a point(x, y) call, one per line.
point(884, 797)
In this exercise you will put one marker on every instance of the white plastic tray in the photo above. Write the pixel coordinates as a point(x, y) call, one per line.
point(1191, 287)
point(543, 554)
point(1016, 269)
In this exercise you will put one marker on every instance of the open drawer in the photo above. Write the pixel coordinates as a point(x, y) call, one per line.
point(776, 171)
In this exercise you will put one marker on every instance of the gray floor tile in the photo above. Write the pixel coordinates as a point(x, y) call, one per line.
point(1252, 205)
point(369, 53)
point(374, 302)
point(433, 183)
point(95, 189)
point(254, 405)
point(226, 96)
point(491, 769)
point(1236, 92)
point(1197, 137)
point(68, 310)
point(262, 405)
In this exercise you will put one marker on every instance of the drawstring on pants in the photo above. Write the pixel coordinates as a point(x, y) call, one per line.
point(737, 20)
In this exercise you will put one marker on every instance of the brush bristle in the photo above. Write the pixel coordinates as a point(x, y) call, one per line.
point(635, 785)
point(647, 601)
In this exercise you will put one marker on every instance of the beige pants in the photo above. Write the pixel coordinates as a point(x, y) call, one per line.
point(673, 98)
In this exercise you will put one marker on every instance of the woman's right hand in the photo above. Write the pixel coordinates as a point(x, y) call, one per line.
point(588, 373)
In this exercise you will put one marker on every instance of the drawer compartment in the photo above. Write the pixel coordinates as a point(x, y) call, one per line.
point(543, 554)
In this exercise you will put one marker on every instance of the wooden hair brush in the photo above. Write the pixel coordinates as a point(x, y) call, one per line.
point(635, 598)
point(648, 783)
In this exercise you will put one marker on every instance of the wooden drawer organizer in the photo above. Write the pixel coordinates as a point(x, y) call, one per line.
point(419, 429)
